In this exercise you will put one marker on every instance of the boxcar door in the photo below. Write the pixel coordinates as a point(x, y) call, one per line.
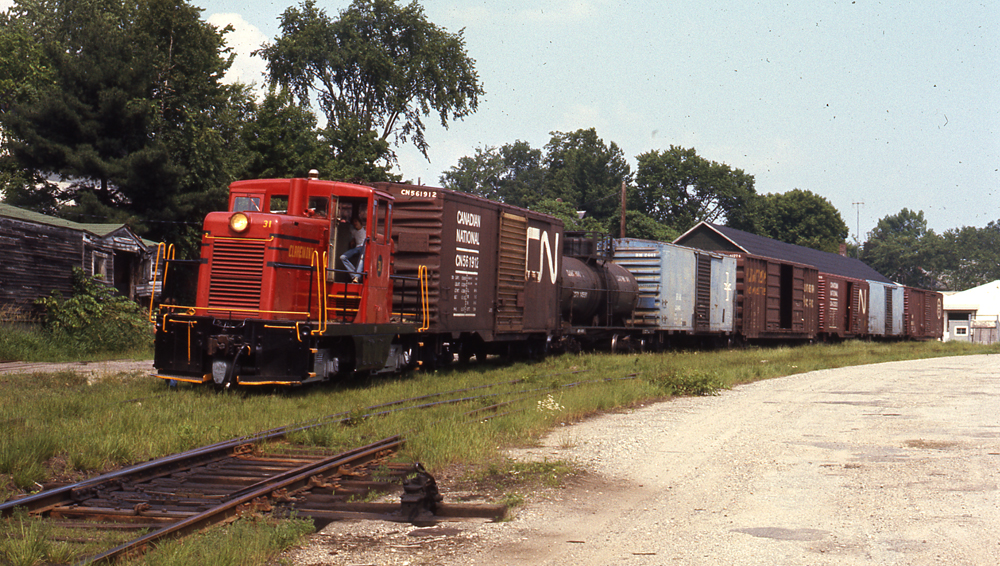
point(510, 273)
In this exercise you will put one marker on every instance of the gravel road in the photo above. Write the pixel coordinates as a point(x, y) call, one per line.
point(892, 463)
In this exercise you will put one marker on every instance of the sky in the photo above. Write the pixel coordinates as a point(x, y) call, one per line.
point(875, 105)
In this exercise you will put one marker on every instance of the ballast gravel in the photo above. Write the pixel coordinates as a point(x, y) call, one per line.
point(895, 463)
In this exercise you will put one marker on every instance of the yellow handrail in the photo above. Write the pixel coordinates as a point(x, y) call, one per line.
point(321, 301)
point(423, 276)
point(167, 255)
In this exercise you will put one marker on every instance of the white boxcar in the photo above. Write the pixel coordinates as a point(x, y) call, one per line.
point(681, 290)
point(885, 309)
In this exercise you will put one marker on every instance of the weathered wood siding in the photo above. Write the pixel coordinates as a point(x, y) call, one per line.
point(36, 259)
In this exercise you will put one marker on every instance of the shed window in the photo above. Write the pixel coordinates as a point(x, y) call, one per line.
point(961, 331)
point(100, 266)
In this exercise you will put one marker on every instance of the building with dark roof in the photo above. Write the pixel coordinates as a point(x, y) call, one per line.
point(711, 237)
point(38, 254)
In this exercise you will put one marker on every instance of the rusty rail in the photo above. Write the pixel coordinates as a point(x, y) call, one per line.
point(292, 479)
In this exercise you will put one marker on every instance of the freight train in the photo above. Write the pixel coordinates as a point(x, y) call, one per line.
point(440, 274)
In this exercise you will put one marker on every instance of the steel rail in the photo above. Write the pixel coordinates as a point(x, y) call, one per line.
point(297, 479)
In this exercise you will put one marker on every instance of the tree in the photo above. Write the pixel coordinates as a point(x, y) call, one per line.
point(971, 256)
point(582, 170)
point(577, 168)
point(283, 140)
point(136, 113)
point(23, 66)
point(639, 225)
point(568, 214)
point(679, 188)
point(512, 174)
point(376, 72)
point(903, 249)
point(802, 218)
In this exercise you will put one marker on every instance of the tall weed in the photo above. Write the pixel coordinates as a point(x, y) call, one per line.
point(95, 319)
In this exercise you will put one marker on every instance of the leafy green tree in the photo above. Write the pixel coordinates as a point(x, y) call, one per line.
point(678, 188)
point(283, 140)
point(24, 67)
point(576, 169)
point(801, 217)
point(971, 256)
point(902, 248)
point(639, 225)
point(581, 169)
point(569, 215)
point(511, 173)
point(379, 67)
point(136, 114)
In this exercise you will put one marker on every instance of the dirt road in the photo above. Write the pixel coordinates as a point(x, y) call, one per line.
point(886, 464)
point(91, 369)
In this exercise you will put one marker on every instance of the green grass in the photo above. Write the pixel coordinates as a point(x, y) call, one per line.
point(33, 344)
point(250, 541)
point(59, 426)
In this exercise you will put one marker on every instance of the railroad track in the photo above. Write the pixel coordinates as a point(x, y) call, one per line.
point(182, 494)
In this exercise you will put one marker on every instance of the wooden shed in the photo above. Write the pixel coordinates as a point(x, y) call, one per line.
point(38, 254)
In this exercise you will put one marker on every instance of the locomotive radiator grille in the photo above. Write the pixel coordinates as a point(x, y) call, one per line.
point(237, 273)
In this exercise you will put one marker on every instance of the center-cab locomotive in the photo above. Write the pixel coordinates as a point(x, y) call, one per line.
point(275, 302)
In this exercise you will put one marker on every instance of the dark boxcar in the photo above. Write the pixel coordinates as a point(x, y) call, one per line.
point(843, 306)
point(775, 299)
point(492, 269)
point(924, 314)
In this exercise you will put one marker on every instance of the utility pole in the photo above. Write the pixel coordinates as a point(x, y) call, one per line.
point(857, 207)
point(623, 211)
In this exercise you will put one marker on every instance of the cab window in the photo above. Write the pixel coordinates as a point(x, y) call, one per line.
point(278, 204)
point(381, 216)
point(317, 207)
point(251, 204)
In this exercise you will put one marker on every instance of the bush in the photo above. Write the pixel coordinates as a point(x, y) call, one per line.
point(95, 319)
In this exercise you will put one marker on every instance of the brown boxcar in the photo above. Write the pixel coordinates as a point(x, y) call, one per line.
point(923, 312)
point(775, 299)
point(493, 269)
point(843, 306)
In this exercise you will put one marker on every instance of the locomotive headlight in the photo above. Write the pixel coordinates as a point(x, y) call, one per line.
point(239, 222)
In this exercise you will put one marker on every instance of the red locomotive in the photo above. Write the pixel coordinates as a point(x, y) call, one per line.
point(437, 273)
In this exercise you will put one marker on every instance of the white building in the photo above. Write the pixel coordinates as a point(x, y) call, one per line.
point(974, 315)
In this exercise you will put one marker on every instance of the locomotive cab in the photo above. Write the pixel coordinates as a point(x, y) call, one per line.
point(285, 294)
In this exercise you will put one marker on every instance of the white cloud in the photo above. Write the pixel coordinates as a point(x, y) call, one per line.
point(244, 40)
point(5, 5)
